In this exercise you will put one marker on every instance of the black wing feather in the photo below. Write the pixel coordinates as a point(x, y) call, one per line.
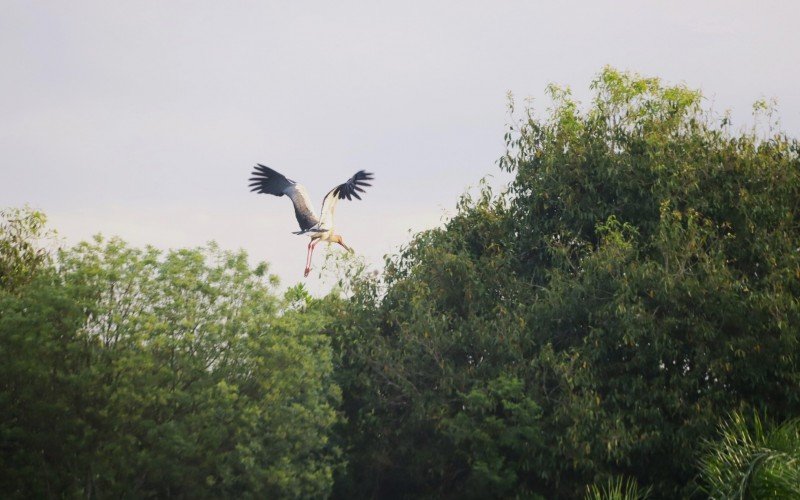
point(268, 181)
point(353, 184)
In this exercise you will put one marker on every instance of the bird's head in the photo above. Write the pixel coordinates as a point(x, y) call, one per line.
point(337, 238)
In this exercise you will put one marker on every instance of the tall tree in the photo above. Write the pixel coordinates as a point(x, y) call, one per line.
point(639, 279)
point(138, 373)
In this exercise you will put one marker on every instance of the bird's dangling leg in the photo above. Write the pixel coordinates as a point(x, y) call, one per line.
point(308, 259)
point(311, 245)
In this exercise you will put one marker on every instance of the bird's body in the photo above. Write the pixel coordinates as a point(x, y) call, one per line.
point(317, 227)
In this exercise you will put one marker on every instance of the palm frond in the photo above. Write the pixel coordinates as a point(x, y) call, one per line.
point(749, 462)
point(616, 488)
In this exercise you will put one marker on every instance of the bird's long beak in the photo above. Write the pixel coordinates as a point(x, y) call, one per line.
point(341, 242)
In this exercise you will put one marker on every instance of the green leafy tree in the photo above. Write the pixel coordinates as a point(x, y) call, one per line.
point(136, 373)
point(38, 321)
point(41, 354)
point(639, 279)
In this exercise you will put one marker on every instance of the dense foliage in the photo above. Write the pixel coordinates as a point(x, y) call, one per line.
point(132, 373)
point(587, 333)
point(638, 282)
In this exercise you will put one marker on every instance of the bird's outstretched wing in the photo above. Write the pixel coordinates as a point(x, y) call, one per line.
point(349, 189)
point(268, 181)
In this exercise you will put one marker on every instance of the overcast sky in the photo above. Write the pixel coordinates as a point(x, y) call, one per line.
point(143, 118)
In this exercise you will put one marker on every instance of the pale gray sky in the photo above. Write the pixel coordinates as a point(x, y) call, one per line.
point(143, 118)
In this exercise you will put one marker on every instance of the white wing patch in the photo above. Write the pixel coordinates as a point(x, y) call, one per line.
point(328, 206)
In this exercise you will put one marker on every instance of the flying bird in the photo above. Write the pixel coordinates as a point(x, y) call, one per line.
point(318, 227)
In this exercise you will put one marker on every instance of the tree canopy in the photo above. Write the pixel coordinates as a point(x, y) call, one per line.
point(134, 373)
point(637, 282)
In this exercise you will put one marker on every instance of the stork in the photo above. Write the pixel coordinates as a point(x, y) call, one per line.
point(319, 228)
